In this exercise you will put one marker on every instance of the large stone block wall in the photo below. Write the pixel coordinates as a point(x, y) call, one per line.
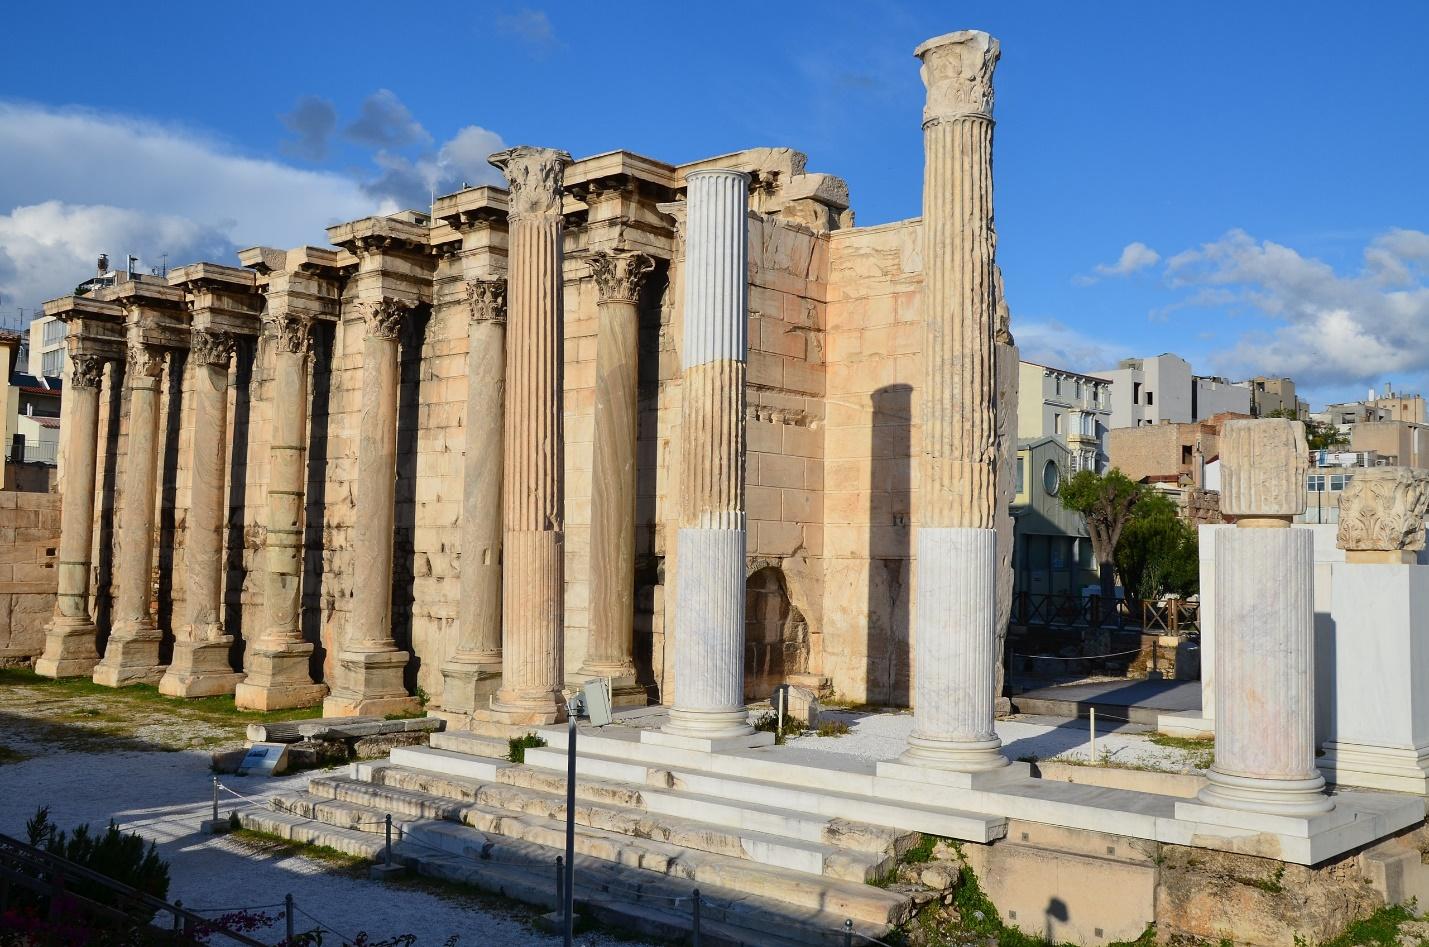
point(29, 540)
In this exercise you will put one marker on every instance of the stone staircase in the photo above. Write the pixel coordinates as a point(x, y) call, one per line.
point(775, 865)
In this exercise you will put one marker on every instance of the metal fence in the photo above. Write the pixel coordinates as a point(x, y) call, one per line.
point(1171, 616)
point(32, 452)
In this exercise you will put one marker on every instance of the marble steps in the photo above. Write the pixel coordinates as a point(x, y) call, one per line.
point(475, 744)
point(647, 908)
point(412, 792)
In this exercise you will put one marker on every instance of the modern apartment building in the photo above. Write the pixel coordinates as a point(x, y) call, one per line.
point(1069, 406)
point(1163, 388)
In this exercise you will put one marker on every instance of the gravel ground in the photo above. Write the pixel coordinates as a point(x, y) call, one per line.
point(883, 736)
point(164, 796)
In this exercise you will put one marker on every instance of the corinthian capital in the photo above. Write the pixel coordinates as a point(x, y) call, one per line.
point(384, 317)
point(211, 347)
point(86, 371)
point(619, 274)
point(145, 360)
point(294, 332)
point(534, 176)
point(1382, 510)
point(957, 70)
point(486, 300)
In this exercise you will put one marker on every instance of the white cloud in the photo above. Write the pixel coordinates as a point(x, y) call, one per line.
point(531, 27)
point(1058, 345)
point(1324, 329)
point(411, 182)
point(1135, 256)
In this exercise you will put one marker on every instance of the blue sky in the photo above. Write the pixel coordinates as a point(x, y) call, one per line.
point(1242, 183)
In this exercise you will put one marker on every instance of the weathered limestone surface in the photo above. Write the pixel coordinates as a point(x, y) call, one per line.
point(1265, 477)
point(70, 649)
point(1382, 514)
point(29, 568)
point(533, 502)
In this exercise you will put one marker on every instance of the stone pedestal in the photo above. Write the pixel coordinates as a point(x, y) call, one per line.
point(610, 647)
point(132, 654)
point(473, 674)
point(70, 638)
point(956, 613)
point(200, 665)
point(370, 666)
point(709, 710)
point(533, 501)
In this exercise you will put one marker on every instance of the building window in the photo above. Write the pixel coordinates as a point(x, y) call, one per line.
point(1315, 483)
point(52, 363)
point(1136, 392)
point(1019, 478)
point(1051, 477)
point(1077, 389)
point(1339, 481)
point(1056, 423)
point(54, 331)
point(1150, 398)
point(1057, 385)
point(1185, 455)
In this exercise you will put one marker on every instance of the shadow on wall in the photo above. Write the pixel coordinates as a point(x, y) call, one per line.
point(650, 571)
point(168, 517)
point(889, 672)
point(404, 552)
point(102, 587)
point(239, 435)
point(315, 497)
point(776, 633)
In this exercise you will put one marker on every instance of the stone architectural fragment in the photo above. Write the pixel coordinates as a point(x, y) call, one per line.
point(1382, 514)
point(1267, 479)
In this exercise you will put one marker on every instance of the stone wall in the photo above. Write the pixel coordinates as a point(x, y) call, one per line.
point(29, 540)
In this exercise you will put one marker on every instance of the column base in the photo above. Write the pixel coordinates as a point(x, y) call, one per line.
point(516, 717)
point(714, 725)
point(524, 708)
point(133, 659)
point(200, 669)
point(69, 650)
point(1392, 768)
point(278, 678)
point(707, 744)
point(953, 756)
point(469, 685)
point(917, 771)
point(1286, 797)
point(370, 685)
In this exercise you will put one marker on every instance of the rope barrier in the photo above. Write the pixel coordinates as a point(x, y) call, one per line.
point(1079, 657)
point(254, 907)
point(325, 926)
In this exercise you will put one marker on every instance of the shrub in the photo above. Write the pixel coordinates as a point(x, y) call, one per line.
point(519, 746)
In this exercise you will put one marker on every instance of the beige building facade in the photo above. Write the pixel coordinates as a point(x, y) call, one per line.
point(1072, 407)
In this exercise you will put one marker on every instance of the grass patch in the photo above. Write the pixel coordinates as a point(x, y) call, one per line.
point(833, 728)
point(1270, 883)
point(266, 843)
point(1191, 744)
point(517, 746)
point(220, 707)
point(1381, 927)
point(769, 723)
point(8, 755)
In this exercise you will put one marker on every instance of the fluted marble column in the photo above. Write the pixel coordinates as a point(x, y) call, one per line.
point(1265, 682)
point(709, 614)
point(369, 664)
point(476, 665)
point(533, 497)
point(955, 635)
point(200, 665)
point(132, 653)
point(277, 662)
point(610, 650)
point(70, 649)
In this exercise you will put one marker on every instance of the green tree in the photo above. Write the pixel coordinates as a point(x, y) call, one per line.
point(1320, 435)
point(1157, 554)
point(1107, 501)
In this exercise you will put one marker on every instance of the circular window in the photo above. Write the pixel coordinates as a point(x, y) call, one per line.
point(1051, 477)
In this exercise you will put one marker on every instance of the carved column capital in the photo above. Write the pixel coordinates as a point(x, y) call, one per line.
point(86, 372)
point(294, 332)
point(1263, 467)
point(486, 300)
point(211, 347)
point(145, 360)
point(957, 71)
point(619, 274)
point(534, 176)
point(1382, 510)
point(384, 317)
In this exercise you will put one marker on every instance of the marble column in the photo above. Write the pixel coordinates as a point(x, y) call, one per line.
point(533, 500)
point(1265, 692)
point(709, 588)
point(70, 637)
point(370, 666)
point(955, 633)
point(610, 650)
point(277, 661)
point(469, 677)
point(132, 653)
point(200, 666)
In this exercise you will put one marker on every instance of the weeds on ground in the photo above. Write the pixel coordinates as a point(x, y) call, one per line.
point(833, 728)
point(1381, 927)
point(769, 723)
point(217, 709)
point(517, 746)
point(266, 843)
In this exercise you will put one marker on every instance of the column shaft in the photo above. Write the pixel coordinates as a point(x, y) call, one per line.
point(132, 653)
point(278, 661)
point(468, 676)
point(709, 623)
point(533, 501)
point(200, 665)
point(370, 666)
point(70, 638)
point(610, 649)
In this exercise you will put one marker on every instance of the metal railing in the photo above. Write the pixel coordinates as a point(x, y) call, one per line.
point(31, 452)
point(1172, 616)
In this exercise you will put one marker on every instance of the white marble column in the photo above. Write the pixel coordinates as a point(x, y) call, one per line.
point(132, 653)
point(610, 649)
point(277, 662)
point(200, 665)
point(955, 606)
point(469, 678)
point(709, 588)
point(1265, 691)
point(370, 666)
point(533, 498)
point(70, 649)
